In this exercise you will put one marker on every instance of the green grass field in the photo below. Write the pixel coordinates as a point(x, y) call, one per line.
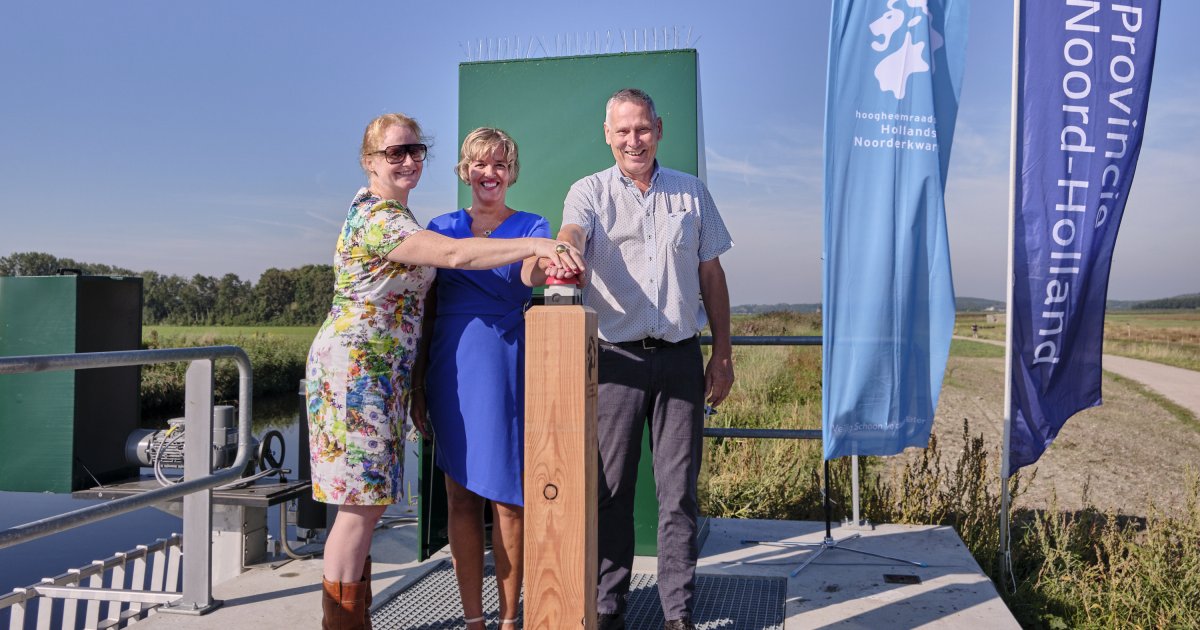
point(199, 333)
point(1169, 337)
point(975, 349)
point(277, 355)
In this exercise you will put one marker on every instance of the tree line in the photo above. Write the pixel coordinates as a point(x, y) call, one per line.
point(1180, 301)
point(298, 296)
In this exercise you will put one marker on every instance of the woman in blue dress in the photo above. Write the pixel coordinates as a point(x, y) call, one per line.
point(361, 362)
point(474, 378)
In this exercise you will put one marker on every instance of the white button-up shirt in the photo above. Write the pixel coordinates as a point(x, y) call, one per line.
point(644, 251)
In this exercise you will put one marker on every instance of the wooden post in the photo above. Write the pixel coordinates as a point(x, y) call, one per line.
point(561, 459)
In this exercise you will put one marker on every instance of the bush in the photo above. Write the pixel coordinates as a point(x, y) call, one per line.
point(278, 363)
point(1089, 569)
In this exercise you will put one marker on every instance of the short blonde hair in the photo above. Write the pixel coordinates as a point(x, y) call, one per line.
point(373, 135)
point(482, 143)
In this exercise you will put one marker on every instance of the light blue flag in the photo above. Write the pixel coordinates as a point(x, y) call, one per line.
point(895, 73)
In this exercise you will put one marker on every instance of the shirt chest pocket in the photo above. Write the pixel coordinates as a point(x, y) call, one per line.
point(683, 231)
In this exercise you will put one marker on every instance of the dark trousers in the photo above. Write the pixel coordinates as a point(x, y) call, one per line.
point(664, 386)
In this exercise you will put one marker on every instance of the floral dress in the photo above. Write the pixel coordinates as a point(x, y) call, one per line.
point(359, 366)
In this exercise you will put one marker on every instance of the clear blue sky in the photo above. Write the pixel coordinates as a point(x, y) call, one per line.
point(221, 136)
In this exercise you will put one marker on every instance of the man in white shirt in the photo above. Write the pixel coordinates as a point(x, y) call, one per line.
point(652, 237)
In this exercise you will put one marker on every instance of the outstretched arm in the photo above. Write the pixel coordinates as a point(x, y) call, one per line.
point(430, 248)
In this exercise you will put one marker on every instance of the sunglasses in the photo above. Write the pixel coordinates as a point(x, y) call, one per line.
point(395, 153)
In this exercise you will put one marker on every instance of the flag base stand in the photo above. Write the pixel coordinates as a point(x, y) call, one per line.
point(829, 543)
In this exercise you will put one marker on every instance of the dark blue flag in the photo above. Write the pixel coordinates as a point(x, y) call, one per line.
point(1084, 82)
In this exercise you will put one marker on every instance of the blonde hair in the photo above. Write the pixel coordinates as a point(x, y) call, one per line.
point(482, 143)
point(373, 135)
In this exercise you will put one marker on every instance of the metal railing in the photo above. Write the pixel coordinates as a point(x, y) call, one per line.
point(162, 559)
point(196, 489)
point(196, 595)
point(784, 434)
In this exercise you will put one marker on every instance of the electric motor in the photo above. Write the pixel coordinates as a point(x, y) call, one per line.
point(164, 447)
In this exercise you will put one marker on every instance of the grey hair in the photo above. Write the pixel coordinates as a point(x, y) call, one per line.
point(629, 95)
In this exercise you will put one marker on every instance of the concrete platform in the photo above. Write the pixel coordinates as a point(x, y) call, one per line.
point(839, 590)
point(842, 589)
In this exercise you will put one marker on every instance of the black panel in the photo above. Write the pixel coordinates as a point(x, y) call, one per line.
point(107, 402)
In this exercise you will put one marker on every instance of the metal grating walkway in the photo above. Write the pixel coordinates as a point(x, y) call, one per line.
point(432, 603)
point(724, 602)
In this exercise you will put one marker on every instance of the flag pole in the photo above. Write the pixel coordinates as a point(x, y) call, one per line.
point(1005, 551)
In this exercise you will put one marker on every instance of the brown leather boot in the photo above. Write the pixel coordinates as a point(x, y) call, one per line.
point(366, 578)
point(344, 605)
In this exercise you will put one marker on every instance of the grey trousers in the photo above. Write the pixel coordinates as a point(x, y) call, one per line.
point(664, 386)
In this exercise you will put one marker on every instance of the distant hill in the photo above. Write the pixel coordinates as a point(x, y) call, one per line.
point(972, 304)
point(977, 304)
point(1182, 301)
point(752, 309)
point(1190, 300)
point(1120, 305)
point(962, 304)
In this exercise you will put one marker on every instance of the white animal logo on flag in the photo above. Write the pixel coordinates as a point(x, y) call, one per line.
point(909, 57)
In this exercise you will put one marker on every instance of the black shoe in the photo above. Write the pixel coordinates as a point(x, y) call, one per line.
point(679, 624)
point(610, 621)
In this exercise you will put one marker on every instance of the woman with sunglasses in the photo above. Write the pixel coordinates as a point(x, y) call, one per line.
point(474, 377)
point(360, 364)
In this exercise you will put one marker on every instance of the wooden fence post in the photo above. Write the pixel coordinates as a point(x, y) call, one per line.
point(561, 460)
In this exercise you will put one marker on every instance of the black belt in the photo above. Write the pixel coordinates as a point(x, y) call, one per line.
point(649, 343)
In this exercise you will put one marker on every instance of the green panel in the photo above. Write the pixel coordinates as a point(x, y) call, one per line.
point(554, 109)
point(37, 316)
point(432, 505)
point(645, 507)
point(645, 503)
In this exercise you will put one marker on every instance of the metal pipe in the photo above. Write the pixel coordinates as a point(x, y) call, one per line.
point(197, 506)
point(104, 594)
point(783, 434)
point(1004, 552)
point(854, 488)
point(88, 360)
point(765, 340)
point(286, 545)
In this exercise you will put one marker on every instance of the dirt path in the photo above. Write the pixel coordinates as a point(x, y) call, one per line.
point(1123, 454)
point(1180, 386)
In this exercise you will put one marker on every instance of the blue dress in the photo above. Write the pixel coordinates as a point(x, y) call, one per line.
point(474, 382)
